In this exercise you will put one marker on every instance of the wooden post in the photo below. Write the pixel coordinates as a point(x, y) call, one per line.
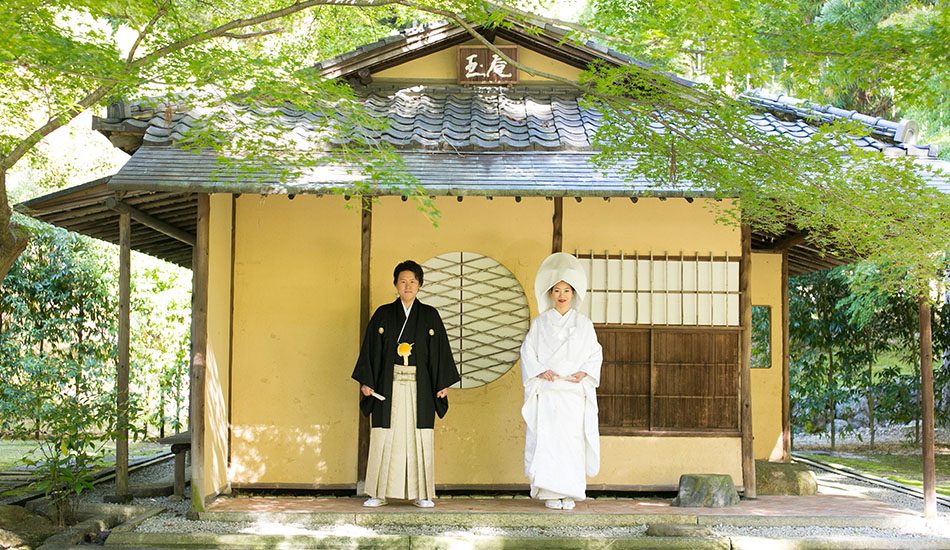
point(927, 406)
point(786, 361)
point(745, 373)
point(558, 221)
point(366, 234)
point(199, 348)
point(122, 374)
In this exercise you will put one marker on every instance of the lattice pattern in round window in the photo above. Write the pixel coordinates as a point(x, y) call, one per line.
point(484, 310)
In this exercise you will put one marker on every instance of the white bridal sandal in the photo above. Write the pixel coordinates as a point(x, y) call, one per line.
point(423, 503)
point(374, 502)
point(554, 504)
point(567, 503)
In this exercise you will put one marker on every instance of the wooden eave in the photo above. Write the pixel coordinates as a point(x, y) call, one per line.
point(85, 209)
point(89, 209)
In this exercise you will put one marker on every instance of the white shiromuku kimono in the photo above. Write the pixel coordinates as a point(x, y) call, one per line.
point(562, 443)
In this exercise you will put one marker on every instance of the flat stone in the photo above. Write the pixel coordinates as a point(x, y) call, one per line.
point(706, 490)
point(678, 530)
point(779, 478)
point(22, 528)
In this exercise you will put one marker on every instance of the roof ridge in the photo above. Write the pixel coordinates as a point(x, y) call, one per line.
point(904, 131)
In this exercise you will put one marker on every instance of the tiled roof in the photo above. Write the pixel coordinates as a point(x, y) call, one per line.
point(525, 173)
point(799, 118)
point(520, 118)
point(487, 118)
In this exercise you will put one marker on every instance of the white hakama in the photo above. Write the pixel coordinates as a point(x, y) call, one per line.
point(562, 439)
point(401, 457)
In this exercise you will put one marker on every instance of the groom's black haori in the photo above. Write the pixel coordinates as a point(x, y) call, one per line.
point(431, 354)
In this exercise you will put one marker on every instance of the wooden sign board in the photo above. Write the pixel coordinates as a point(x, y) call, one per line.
point(480, 65)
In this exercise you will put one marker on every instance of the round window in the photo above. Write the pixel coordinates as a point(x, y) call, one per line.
point(484, 309)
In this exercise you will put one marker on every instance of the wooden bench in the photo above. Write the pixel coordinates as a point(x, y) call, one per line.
point(181, 444)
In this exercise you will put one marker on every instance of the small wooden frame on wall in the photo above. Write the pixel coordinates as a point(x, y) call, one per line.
point(480, 65)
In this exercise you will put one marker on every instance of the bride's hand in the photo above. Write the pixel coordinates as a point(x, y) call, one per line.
point(548, 375)
point(577, 376)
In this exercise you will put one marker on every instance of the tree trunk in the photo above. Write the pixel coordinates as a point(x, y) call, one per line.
point(927, 409)
point(178, 398)
point(870, 394)
point(918, 375)
point(832, 407)
point(162, 393)
point(13, 237)
point(79, 353)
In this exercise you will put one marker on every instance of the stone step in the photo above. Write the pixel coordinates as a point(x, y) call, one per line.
point(487, 542)
point(421, 542)
point(468, 519)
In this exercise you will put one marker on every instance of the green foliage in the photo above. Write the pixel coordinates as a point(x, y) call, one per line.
point(160, 347)
point(761, 337)
point(59, 58)
point(808, 47)
point(678, 137)
point(212, 58)
point(848, 200)
point(823, 367)
point(56, 342)
point(57, 364)
point(871, 336)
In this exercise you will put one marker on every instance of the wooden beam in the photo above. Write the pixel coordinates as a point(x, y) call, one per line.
point(787, 242)
point(199, 349)
point(122, 493)
point(927, 408)
point(558, 220)
point(786, 361)
point(150, 221)
point(366, 242)
point(745, 373)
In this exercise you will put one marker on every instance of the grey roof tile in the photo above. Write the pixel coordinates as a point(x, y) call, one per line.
point(898, 137)
point(506, 118)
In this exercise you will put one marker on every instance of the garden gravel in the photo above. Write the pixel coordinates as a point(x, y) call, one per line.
point(174, 520)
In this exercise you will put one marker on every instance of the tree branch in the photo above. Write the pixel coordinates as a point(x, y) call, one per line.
point(475, 34)
point(560, 23)
point(221, 30)
point(148, 27)
point(248, 35)
point(52, 124)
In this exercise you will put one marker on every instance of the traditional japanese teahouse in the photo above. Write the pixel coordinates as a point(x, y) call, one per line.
point(286, 275)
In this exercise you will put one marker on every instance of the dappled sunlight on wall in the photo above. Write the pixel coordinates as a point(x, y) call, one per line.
point(296, 338)
point(278, 453)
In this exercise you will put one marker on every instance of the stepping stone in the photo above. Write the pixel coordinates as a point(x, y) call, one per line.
point(706, 490)
point(22, 528)
point(779, 478)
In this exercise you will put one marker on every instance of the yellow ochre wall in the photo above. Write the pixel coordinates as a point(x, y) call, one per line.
point(766, 289)
point(673, 226)
point(296, 331)
point(215, 475)
point(481, 439)
point(296, 322)
point(443, 65)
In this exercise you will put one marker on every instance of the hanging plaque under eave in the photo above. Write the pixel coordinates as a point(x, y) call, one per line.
point(481, 65)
